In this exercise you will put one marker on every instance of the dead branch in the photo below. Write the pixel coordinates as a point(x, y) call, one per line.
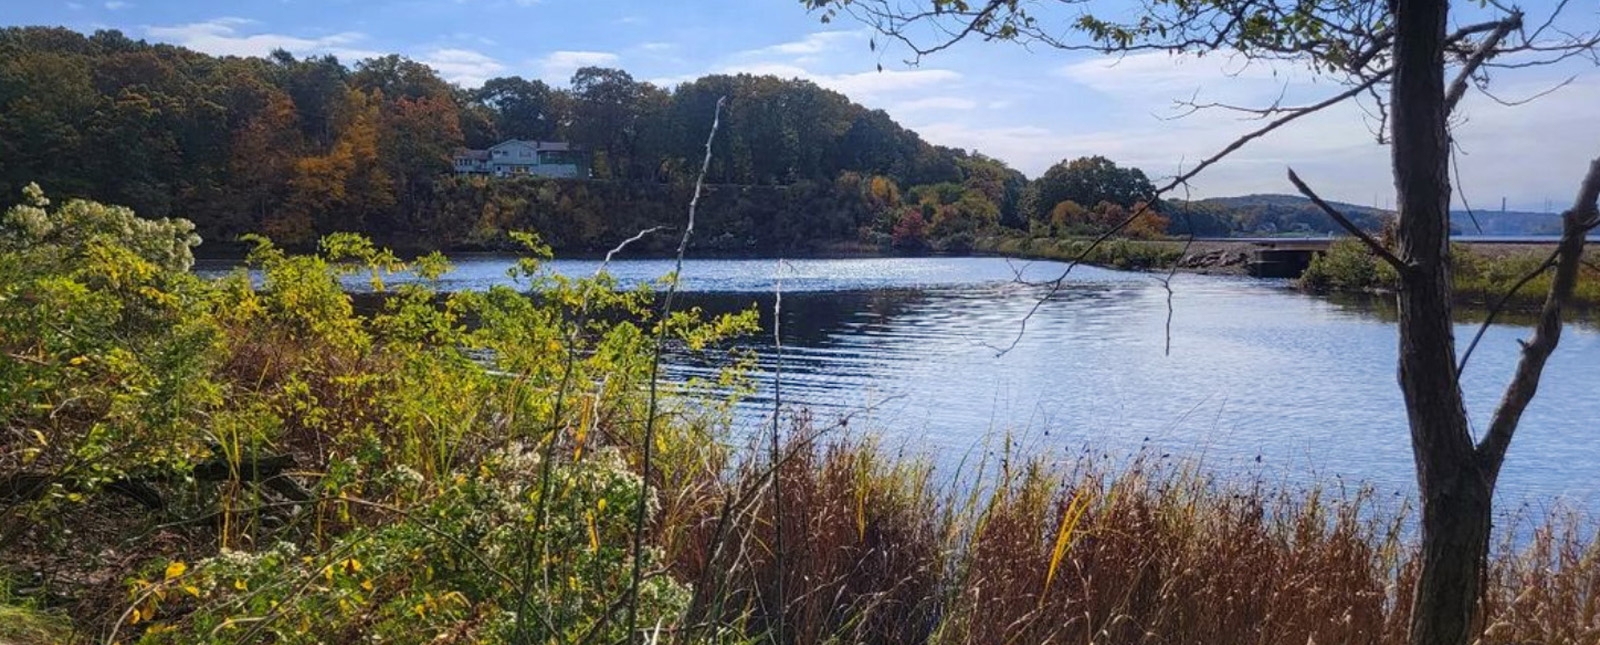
point(1500, 305)
point(1576, 224)
point(640, 513)
point(1348, 225)
point(1489, 47)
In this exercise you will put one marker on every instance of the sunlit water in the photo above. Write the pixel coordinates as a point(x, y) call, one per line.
point(1259, 379)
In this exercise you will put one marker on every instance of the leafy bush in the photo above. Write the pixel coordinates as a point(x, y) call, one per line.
point(107, 350)
point(445, 570)
point(1347, 265)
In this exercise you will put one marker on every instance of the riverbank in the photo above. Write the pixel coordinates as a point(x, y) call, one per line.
point(1205, 257)
point(1486, 275)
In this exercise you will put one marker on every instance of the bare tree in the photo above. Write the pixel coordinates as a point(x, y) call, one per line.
point(1402, 55)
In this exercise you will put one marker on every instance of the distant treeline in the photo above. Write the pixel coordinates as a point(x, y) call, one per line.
point(299, 148)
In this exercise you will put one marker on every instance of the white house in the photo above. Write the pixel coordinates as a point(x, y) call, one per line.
point(516, 158)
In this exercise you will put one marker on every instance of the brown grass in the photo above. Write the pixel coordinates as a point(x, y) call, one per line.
point(876, 552)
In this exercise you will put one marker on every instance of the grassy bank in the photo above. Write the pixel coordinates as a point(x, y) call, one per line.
point(1484, 275)
point(1483, 278)
point(229, 462)
point(1135, 255)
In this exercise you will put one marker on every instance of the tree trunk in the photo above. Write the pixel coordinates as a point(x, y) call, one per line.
point(1455, 492)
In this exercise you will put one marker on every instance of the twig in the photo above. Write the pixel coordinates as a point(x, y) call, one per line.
point(609, 254)
point(655, 369)
point(1455, 166)
point(777, 486)
point(1339, 217)
point(1166, 283)
point(1501, 304)
point(1056, 284)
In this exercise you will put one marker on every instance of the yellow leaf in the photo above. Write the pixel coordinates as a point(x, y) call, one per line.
point(1066, 534)
point(366, 584)
point(134, 616)
point(594, 534)
point(240, 585)
point(176, 569)
point(192, 590)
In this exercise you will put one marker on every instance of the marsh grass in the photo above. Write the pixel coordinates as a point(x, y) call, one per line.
point(1144, 553)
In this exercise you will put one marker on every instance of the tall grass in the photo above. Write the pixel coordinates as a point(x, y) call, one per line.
point(1079, 553)
point(1519, 279)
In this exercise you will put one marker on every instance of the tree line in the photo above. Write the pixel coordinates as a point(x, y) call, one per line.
point(298, 148)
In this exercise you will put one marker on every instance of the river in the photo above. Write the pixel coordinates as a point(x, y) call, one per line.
point(1250, 377)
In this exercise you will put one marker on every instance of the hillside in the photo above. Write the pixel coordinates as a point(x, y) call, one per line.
point(1480, 222)
point(1268, 214)
point(301, 147)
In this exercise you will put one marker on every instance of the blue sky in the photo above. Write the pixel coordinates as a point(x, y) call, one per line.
point(1030, 108)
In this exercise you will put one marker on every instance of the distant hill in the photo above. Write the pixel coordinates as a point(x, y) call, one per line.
point(1268, 214)
point(1504, 223)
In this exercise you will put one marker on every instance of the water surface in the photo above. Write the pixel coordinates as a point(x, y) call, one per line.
point(1248, 377)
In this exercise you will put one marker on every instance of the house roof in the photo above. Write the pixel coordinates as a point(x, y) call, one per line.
point(475, 155)
point(536, 145)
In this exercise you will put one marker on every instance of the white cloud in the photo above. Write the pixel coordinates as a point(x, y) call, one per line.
point(935, 103)
point(223, 37)
point(557, 67)
point(463, 66)
point(115, 5)
point(861, 87)
point(1159, 78)
point(815, 43)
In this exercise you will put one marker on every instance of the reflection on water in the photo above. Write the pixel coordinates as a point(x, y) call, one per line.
point(1259, 378)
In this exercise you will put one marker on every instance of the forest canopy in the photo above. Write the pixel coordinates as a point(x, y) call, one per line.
point(301, 147)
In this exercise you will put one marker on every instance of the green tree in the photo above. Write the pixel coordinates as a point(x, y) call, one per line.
point(1089, 180)
point(522, 109)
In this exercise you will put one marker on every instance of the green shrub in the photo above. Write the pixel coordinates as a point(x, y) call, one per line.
point(446, 570)
point(1347, 265)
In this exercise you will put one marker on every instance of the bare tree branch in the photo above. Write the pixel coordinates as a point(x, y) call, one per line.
point(1500, 304)
point(1489, 47)
point(1524, 101)
point(1576, 224)
point(1377, 248)
point(641, 511)
point(618, 249)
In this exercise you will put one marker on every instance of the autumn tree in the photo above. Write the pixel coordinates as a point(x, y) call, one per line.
point(281, 145)
point(1407, 56)
point(264, 152)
